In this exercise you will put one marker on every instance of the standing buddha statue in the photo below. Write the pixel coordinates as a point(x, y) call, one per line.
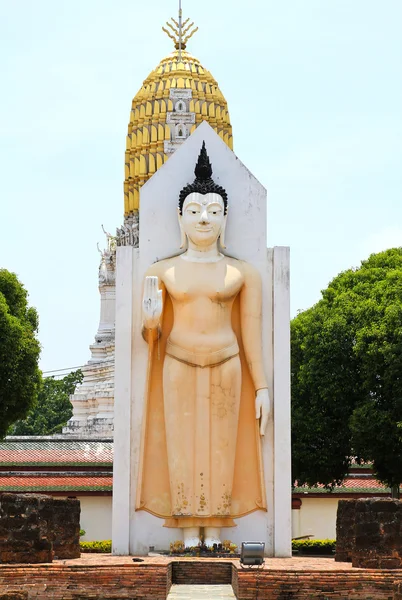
point(207, 395)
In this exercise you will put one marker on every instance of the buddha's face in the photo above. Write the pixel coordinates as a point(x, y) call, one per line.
point(203, 218)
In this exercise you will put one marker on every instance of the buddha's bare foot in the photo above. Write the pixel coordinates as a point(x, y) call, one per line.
point(212, 536)
point(191, 536)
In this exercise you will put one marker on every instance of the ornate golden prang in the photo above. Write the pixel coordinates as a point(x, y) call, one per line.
point(150, 130)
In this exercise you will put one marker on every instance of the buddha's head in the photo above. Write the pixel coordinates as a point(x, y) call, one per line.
point(203, 207)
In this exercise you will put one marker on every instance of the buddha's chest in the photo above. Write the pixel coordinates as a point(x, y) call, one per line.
point(218, 282)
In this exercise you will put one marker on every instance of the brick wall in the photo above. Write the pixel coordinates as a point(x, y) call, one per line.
point(25, 528)
point(14, 596)
point(369, 533)
point(66, 528)
point(299, 585)
point(201, 572)
point(378, 534)
point(169, 580)
point(58, 582)
point(345, 530)
point(152, 582)
point(36, 527)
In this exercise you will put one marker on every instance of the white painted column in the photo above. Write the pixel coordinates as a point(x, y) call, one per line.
point(268, 453)
point(282, 447)
point(108, 311)
point(122, 400)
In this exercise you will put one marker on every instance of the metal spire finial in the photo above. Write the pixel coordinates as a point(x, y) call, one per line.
point(181, 32)
point(180, 29)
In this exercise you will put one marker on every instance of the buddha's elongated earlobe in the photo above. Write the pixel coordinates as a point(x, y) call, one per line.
point(183, 237)
point(222, 234)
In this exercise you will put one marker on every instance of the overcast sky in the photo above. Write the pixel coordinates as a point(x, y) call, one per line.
point(314, 89)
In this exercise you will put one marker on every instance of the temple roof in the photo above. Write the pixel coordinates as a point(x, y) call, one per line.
point(155, 114)
point(353, 484)
point(61, 466)
point(56, 465)
point(46, 451)
point(55, 482)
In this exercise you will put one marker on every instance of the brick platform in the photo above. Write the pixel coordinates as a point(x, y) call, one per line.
point(105, 577)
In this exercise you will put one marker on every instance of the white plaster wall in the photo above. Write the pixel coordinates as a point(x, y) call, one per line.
point(296, 523)
point(317, 517)
point(96, 517)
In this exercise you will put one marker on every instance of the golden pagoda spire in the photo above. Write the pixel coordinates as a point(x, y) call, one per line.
point(174, 99)
point(180, 32)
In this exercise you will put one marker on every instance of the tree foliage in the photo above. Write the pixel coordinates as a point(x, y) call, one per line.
point(52, 409)
point(19, 351)
point(347, 375)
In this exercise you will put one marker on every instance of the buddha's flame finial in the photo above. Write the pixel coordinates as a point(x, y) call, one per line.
point(203, 182)
point(203, 168)
point(182, 31)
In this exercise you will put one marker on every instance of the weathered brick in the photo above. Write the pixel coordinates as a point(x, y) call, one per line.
point(146, 581)
point(369, 533)
point(199, 573)
point(32, 524)
point(378, 538)
point(66, 528)
point(345, 530)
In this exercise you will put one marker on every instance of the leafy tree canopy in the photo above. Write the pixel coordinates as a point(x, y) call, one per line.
point(19, 351)
point(347, 375)
point(52, 409)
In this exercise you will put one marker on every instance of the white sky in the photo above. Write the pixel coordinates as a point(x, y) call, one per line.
point(314, 89)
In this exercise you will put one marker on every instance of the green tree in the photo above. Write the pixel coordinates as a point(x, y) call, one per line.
point(52, 409)
point(347, 375)
point(19, 351)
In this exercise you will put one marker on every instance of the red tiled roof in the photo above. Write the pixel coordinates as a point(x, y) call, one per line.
point(71, 454)
point(350, 485)
point(367, 482)
point(55, 452)
point(50, 483)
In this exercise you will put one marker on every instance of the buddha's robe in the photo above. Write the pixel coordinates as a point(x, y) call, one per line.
point(201, 457)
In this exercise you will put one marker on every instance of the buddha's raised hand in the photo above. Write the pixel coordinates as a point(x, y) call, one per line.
point(151, 303)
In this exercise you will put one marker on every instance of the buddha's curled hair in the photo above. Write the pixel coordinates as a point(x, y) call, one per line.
point(203, 182)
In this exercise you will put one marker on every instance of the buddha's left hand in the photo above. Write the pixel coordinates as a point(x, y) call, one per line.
point(262, 408)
